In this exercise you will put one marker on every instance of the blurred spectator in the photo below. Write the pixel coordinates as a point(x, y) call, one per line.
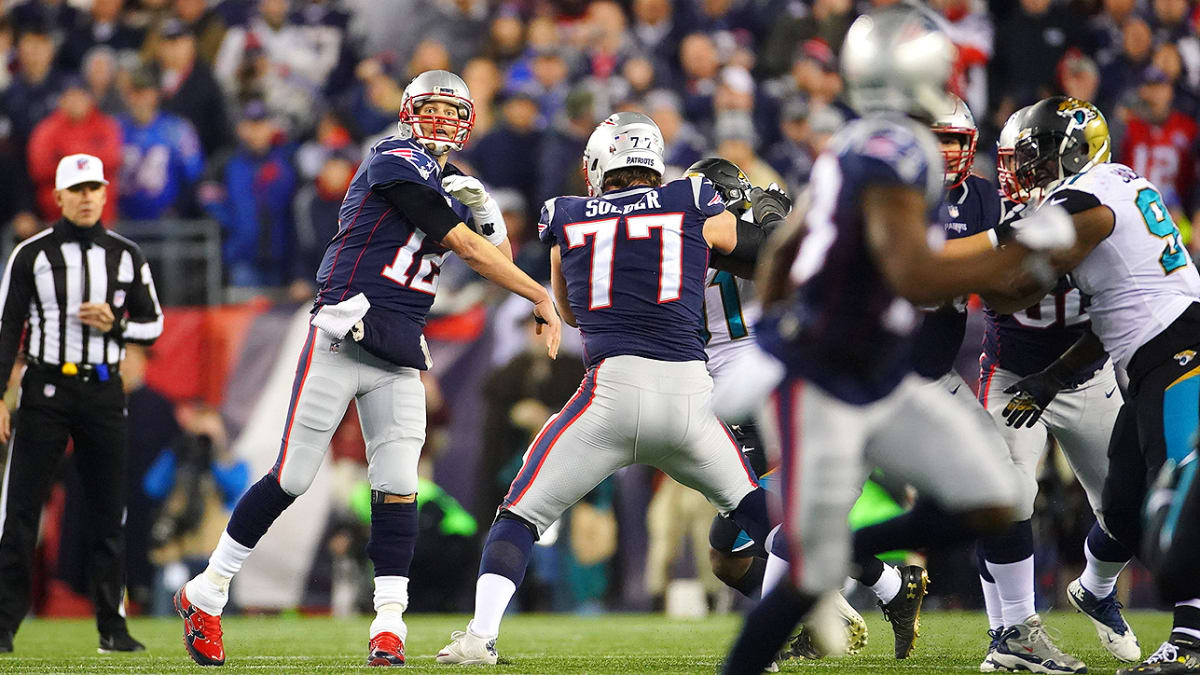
point(316, 208)
point(274, 58)
point(1171, 20)
point(639, 76)
point(104, 27)
point(251, 196)
point(683, 144)
point(505, 39)
point(197, 482)
point(189, 89)
point(677, 516)
point(736, 139)
point(827, 21)
point(1029, 45)
point(656, 30)
point(1119, 77)
point(331, 136)
point(1104, 30)
point(969, 26)
point(76, 126)
point(1160, 143)
point(561, 149)
point(504, 157)
point(100, 74)
point(8, 38)
point(793, 156)
point(373, 102)
point(700, 67)
point(429, 54)
point(456, 24)
point(813, 76)
point(483, 79)
point(549, 84)
point(56, 15)
point(200, 20)
point(161, 156)
point(1168, 58)
point(602, 38)
point(32, 94)
point(1079, 76)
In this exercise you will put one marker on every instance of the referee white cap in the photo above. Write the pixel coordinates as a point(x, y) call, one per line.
point(76, 169)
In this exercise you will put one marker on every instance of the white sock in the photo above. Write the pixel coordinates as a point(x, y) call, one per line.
point(492, 594)
point(228, 557)
point(991, 601)
point(775, 571)
point(1099, 576)
point(888, 585)
point(1014, 583)
point(391, 599)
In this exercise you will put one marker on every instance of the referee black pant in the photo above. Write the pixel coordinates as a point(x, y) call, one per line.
point(92, 414)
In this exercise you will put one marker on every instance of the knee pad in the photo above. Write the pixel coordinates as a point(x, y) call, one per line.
point(392, 467)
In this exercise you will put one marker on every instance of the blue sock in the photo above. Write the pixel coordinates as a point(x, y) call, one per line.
point(766, 629)
point(506, 551)
point(393, 538)
point(752, 516)
point(1104, 547)
point(1012, 546)
point(256, 510)
point(981, 564)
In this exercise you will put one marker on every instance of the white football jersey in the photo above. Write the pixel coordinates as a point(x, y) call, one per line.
point(1140, 278)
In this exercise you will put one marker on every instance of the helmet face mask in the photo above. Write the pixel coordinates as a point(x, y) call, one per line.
point(440, 86)
point(1058, 137)
point(1006, 163)
point(730, 182)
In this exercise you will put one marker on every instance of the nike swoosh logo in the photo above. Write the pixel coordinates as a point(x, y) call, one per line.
point(1056, 202)
point(955, 390)
point(1110, 393)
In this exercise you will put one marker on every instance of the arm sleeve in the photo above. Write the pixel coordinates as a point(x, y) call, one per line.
point(145, 320)
point(16, 289)
point(422, 205)
point(545, 222)
point(1074, 201)
point(740, 261)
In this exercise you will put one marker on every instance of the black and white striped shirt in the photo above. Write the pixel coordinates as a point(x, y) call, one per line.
point(50, 274)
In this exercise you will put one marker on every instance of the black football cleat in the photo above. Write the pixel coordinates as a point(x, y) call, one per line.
point(119, 642)
point(1180, 656)
point(904, 611)
point(6, 642)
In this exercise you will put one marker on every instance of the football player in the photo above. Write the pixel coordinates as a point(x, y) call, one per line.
point(406, 209)
point(1018, 350)
point(838, 311)
point(628, 267)
point(1145, 313)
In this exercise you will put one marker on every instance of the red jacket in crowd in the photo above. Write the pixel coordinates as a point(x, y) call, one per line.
point(58, 136)
point(1163, 153)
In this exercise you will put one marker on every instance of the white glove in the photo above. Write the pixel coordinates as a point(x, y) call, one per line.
point(1050, 228)
point(466, 189)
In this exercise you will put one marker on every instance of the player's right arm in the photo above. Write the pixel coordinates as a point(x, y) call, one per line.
point(558, 281)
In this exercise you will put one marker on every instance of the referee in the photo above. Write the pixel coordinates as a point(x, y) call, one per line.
point(84, 292)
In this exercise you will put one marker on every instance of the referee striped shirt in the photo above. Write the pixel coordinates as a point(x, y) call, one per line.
point(50, 274)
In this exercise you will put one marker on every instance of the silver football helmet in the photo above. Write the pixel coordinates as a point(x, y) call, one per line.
point(896, 59)
point(958, 124)
point(623, 139)
point(437, 85)
point(1006, 145)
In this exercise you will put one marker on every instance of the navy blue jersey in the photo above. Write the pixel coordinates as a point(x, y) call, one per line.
point(634, 261)
point(1028, 341)
point(847, 331)
point(968, 209)
point(380, 253)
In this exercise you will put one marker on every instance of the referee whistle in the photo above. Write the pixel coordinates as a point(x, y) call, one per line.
point(70, 369)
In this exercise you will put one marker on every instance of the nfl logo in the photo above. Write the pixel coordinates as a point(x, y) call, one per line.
point(953, 210)
point(81, 163)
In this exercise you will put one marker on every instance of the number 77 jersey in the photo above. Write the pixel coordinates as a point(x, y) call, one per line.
point(634, 261)
point(1140, 278)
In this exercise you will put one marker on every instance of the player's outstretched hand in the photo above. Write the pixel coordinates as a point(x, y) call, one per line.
point(466, 189)
point(1032, 395)
point(1050, 228)
point(768, 203)
point(549, 323)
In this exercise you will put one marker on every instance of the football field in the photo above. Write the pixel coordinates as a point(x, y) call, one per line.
point(614, 643)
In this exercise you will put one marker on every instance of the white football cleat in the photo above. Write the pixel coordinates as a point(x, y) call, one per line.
point(469, 649)
point(1105, 613)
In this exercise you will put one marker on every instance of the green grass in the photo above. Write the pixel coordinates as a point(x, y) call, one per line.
point(624, 643)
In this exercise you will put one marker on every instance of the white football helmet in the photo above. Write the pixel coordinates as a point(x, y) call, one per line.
point(623, 139)
point(1006, 144)
point(437, 85)
point(896, 59)
point(956, 122)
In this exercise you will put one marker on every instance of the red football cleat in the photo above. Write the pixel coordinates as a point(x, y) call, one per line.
point(201, 632)
point(385, 649)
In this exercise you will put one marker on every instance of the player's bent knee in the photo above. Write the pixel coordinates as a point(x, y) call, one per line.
point(299, 469)
point(727, 568)
point(379, 497)
point(505, 514)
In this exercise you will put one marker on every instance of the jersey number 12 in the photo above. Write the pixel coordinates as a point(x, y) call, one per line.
point(604, 235)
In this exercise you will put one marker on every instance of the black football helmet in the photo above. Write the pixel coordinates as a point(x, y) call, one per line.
point(730, 181)
point(1058, 137)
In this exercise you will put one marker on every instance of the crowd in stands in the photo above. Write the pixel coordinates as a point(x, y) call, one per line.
point(255, 112)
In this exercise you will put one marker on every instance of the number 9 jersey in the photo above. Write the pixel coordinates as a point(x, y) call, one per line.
point(1140, 278)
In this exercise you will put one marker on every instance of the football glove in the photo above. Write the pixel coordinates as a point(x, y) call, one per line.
point(466, 189)
point(1031, 396)
point(770, 204)
point(1050, 228)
